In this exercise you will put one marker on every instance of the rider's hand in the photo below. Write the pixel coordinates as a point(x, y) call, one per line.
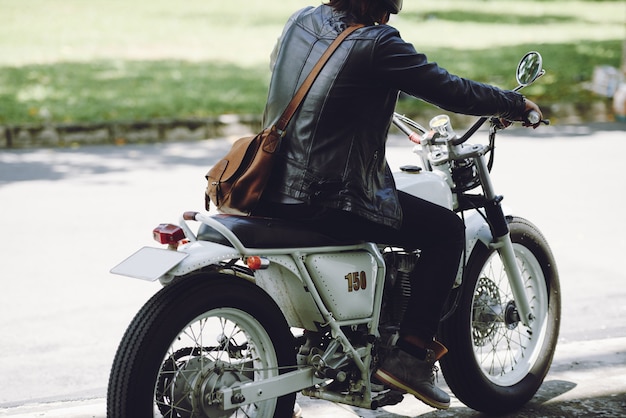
point(530, 106)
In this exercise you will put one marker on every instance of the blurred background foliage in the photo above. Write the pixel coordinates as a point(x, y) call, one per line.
point(67, 61)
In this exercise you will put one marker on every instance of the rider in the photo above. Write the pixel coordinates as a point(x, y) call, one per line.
point(332, 172)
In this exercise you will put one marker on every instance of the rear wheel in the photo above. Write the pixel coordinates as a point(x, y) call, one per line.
point(202, 333)
point(496, 363)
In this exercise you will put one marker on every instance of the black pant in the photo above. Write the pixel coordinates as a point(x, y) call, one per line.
point(436, 231)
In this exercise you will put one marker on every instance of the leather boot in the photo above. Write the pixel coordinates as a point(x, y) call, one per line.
point(414, 375)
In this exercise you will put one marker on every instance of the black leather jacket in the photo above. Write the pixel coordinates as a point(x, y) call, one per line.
point(333, 152)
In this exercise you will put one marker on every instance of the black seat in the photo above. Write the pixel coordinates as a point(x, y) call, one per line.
point(257, 232)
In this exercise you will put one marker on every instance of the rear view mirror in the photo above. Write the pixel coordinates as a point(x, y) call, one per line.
point(529, 68)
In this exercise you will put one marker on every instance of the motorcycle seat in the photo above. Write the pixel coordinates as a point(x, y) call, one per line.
point(259, 232)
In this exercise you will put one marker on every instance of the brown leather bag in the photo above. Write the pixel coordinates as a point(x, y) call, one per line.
point(236, 182)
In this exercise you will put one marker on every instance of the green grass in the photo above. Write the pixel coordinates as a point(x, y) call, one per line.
point(73, 60)
point(128, 90)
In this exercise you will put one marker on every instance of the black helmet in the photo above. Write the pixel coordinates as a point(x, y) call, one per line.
point(394, 6)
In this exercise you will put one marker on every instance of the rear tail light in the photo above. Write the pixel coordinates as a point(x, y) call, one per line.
point(168, 234)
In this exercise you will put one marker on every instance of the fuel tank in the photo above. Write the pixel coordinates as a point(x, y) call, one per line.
point(427, 185)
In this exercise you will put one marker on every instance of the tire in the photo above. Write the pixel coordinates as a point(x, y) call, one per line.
point(496, 364)
point(167, 361)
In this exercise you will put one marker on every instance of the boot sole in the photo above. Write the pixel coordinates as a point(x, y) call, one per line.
point(391, 380)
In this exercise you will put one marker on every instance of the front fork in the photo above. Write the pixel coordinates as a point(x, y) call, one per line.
point(502, 242)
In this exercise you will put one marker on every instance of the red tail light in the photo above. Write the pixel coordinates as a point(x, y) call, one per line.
point(168, 234)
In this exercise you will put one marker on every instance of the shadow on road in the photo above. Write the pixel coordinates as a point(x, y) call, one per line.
point(544, 404)
point(62, 163)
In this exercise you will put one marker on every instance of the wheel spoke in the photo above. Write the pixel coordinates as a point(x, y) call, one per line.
point(198, 367)
point(502, 344)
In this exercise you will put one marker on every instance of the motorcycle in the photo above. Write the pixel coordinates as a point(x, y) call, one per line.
point(255, 310)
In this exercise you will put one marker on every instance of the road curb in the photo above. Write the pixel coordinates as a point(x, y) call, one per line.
point(125, 132)
point(168, 130)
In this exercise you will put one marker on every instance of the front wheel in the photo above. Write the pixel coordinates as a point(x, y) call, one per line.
point(496, 363)
point(199, 334)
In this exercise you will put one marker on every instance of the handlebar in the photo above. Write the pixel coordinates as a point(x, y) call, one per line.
point(533, 118)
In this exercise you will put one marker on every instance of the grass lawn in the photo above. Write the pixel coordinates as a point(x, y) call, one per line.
point(98, 60)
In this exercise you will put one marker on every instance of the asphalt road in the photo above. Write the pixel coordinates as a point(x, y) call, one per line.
point(68, 215)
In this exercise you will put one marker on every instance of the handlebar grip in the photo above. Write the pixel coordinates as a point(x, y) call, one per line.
point(533, 117)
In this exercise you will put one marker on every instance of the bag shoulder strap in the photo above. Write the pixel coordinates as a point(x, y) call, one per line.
point(308, 82)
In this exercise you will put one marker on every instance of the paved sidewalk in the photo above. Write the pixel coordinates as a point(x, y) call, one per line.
point(588, 378)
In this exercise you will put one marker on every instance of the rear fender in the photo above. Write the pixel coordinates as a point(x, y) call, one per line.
point(199, 254)
point(281, 280)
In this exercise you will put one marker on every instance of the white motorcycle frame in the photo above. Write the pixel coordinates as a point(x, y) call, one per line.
point(331, 286)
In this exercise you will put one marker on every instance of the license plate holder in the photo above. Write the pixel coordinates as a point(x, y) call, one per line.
point(149, 263)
